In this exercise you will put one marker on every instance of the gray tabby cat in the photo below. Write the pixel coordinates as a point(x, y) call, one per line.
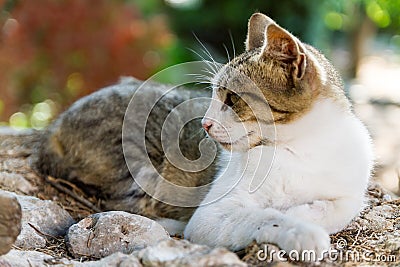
point(84, 145)
point(314, 184)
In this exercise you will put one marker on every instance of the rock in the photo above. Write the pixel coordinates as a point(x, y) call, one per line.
point(393, 244)
point(44, 215)
point(10, 221)
point(183, 253)
point(117, 259)
point(9, 131)
point(377, 218)
point(15, 182)
point(17, 143)
point(102, 234)
point(20, 258)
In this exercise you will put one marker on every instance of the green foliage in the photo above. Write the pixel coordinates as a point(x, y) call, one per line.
point(384, 13)
point(213, 21)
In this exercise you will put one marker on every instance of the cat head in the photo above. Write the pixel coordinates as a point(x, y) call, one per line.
point(275, 81)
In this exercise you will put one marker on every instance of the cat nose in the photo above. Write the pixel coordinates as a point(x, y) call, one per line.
point(207, 124)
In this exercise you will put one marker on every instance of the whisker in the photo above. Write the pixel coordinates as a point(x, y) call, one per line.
point(198, 82)
point(200, 56)
point(214, 63)
point(208, 87)
point(210, 64)
point(200, 77)
point(205, 50)
point(227, 53)
point(233, 44)
point(206, 71)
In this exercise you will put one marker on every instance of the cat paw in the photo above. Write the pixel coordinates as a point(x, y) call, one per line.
point(304, 237)
point(300, 238)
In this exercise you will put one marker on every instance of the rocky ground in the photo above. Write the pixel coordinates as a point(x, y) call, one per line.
point(60, 226)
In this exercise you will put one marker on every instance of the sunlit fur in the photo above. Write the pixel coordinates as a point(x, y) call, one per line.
point(317, 164)
point(270, 94)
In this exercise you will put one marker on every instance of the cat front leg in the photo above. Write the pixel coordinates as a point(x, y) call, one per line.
point(235, 227)
point(332, 215)
point(295, 235)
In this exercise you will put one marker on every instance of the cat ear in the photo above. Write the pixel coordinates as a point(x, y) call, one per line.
point(264, 33)
point(282, 45)
point(256, 30)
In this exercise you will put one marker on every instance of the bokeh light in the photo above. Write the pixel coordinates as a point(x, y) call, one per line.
point(55, 52)
point(19, 121)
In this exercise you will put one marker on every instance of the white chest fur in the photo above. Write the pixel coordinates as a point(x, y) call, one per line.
point(324, 155)
point(317, 173)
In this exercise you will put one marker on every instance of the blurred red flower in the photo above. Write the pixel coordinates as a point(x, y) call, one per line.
point(66, 49)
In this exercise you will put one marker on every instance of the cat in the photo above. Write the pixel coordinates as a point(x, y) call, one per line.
point(299, 160)
point(84, 146)
point(322, 153)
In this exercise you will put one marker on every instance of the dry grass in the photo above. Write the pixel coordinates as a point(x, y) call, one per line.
point(15, 154)
point(357, 240)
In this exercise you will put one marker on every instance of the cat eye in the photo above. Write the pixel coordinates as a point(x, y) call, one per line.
point(231, 98)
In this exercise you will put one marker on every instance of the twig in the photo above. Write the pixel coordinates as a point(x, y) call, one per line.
point(40, 232)
point(62, 181)
point(72, 194)
point(16, 247)
point(393, 201)
point(357, 235)
point(20, 154)
point(89, 241)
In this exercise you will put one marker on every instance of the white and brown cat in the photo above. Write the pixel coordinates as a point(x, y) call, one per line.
point(279, 108)
point(322, 152)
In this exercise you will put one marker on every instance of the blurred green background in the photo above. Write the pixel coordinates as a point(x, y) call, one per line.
point(55, 51)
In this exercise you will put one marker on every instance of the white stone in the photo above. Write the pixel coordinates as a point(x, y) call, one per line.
point(46, 216)
point(183, 253)
point(102, 234)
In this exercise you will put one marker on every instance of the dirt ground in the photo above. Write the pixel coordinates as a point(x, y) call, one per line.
point(16, 153)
